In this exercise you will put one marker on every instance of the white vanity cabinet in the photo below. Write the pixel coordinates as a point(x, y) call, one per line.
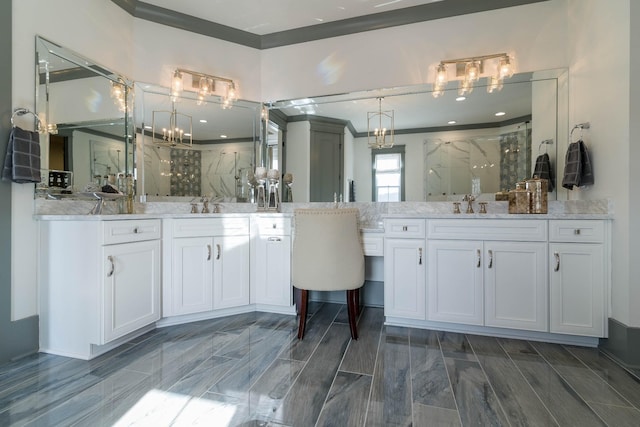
point(578, 277)
point(99, 282)
point(488, 272)
point(404, 268)
point(206, 264)
point(271, 263)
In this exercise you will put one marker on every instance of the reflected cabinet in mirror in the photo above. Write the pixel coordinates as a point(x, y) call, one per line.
point(443, 148)
point(86, 108)
point(196, 147)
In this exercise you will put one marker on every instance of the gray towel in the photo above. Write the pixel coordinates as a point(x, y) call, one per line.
point(22, 162)
point(543, 170)
point(577, 170)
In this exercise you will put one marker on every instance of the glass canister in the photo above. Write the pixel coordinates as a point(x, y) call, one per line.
point(520, 200)
point(539, 196)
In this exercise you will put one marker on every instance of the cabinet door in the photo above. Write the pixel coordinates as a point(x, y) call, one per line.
point(230, 271)
point(515, 285)
point(456, 281)
point(577, 295)
point(404, 278)
point(273, 270)
point(192, 275)
point(131, 287)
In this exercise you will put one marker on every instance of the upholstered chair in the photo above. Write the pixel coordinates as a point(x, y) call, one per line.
point(327, 256)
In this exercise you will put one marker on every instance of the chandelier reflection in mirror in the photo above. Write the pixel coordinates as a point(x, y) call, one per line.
point(205, 85)
point(380, 127)
point(470, 70)
point(172, 128)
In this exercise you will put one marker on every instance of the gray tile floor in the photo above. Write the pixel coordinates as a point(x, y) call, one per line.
point(251, 370)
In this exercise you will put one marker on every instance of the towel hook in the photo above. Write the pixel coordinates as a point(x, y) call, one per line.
point(22, 112)
point(581, 126)
point(545, 142)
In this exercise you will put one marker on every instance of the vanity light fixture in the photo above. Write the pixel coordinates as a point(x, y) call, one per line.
point(177, 128)
point(205, 85)
point(470, 70)
point(380, 127)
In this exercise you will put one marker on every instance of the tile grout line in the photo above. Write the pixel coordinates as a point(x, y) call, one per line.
point(375, 364)
point(528, 383)
point(448, 377)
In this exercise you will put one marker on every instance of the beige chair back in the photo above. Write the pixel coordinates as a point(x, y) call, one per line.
point(327, 250)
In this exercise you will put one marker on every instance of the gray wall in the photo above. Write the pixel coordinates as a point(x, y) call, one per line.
point(21, 337)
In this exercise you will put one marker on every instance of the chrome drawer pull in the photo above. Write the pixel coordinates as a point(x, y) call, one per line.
point(218, 248)
point(208, 252)
point(136, 230)
point(576, 231)
point(275, 239)
point(419, 256)
point(478, 255)
point(490, 258)
point(557, 256)
point(405, 228)
point(113, 266)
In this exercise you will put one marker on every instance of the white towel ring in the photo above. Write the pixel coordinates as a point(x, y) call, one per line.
point(22, 112)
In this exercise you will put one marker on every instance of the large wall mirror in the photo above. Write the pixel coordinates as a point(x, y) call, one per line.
point(446, 147)
point(194, 148)
point(86, 108)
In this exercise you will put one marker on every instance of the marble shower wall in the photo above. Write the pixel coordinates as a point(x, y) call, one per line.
point(494, 161)
point(210, 170)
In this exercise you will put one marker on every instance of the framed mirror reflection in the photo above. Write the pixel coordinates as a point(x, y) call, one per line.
point(481, 143)
point(86, 108)
point(193, 147)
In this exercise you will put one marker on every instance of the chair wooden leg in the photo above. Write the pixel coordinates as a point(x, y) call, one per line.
point(304, 302)
point(358, 302)
point(352, 310)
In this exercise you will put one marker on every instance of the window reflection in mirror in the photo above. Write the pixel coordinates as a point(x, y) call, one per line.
point(450, 144)
point(84, 106)
point(217, 151)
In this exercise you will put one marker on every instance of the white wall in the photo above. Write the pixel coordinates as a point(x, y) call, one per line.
point(599, 38)
point(535, 34)
point(298, 154)
point(94, 28)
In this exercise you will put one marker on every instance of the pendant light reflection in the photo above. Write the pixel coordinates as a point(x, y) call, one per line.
point(380, 127)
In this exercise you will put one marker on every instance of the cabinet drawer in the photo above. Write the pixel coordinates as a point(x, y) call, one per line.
point(197, 227)
point(491, 229)
point(408, 228)
point(273, 226)
point(373, 244)
point(135, 230)
point(585, 231)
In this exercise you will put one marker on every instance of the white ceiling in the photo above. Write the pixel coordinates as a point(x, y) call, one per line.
point(265, 17)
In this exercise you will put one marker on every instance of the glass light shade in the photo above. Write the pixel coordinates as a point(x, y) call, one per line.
point(495, 84)
point(176, 84)
point(465, 88)
point(472, 71)
point(441, 75)
point(505, 68)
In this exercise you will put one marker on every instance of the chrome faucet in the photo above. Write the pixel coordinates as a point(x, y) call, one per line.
point(205, 204)
point(469, 199)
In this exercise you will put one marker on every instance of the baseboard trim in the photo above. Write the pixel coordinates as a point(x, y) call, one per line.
point(623, 344)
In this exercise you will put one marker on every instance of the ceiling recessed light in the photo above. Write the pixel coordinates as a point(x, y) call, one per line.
point(187, 134)
point(452, 122)
point(203, 121)
point(461, 98)
point(147, 127)
point(500, 113)
point(223, 136)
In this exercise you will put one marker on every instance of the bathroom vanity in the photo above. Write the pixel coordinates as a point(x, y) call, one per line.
point(105, 279)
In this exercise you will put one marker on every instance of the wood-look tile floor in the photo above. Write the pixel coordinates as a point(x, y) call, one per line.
point(251, 370)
